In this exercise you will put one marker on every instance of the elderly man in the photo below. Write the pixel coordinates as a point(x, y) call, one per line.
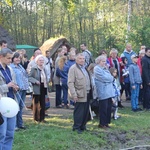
point(7, 88)
point(79, 89)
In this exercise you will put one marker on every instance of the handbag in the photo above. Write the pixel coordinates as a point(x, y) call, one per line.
point(30, 89)
point(47, 102)
point(1, 119)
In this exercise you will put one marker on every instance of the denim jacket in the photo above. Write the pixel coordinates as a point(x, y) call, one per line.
point(21, 76)
point(134, 74)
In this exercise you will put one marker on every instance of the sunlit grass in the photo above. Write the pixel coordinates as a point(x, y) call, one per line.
point(57, 133)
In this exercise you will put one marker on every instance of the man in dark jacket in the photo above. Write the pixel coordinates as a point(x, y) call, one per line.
point(146, 78)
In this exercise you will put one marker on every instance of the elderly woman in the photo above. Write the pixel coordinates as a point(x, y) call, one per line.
point(105, 91)
point(22, 82)
point(38, 79)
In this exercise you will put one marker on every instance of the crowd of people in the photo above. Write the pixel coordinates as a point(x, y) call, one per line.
point(79, 81)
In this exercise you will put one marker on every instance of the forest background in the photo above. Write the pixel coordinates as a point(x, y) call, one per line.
point(102, 24)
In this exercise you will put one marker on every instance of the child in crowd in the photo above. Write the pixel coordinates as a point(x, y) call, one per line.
point(136, 83)
point(126, 81)
point(117, 88)
point(94, 103)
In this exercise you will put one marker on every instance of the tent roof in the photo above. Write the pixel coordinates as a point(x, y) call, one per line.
point(25, 47)
point(53, 44)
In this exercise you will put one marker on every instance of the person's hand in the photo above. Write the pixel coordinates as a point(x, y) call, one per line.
point(133, 87)
point(37, 82)
point(13, 85)
point(75, 99)
point(141, 86)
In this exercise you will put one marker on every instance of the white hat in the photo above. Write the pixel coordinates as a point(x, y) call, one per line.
point(134, 56)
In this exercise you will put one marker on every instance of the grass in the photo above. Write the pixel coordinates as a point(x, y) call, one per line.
point(132, 129)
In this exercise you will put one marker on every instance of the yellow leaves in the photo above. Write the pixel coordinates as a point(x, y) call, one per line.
point(8, 2)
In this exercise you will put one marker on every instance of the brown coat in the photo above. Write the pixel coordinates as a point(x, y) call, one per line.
point(77, 84)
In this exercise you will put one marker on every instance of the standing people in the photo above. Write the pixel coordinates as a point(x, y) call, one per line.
point(22, 82)
point(135, 82)
point(115, 61)
point(128, 52)
point(7, 88)
point(105, 91)
point(125, 85)
point(57, 79)
point(62, 72)
point(79, 89)
point(87, 54)
point(146, 78)
point(39, 81)
point(32, 63)
point(117, 87)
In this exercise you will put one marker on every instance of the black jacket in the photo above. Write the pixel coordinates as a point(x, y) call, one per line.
point(146, 69)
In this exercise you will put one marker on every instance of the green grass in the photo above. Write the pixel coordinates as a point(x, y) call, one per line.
point(131, 129)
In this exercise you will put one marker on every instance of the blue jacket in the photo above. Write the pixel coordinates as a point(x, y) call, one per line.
point(71, 62)
point(104, 83)
point(128, 55)
point(63, 74)
point(134, 74)
point(21, 76)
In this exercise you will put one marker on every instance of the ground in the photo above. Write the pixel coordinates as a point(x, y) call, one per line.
point(122, 137)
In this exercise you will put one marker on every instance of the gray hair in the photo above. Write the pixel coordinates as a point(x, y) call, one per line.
point(113, 50)
point(80, 54)
point(5, 51)
point(99, 58)
point(37, 58)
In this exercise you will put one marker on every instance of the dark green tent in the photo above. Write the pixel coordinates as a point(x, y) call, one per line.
point(29, 49)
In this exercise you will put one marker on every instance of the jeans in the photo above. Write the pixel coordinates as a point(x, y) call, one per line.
point(135, 96)
point(7, 133)
point(21, 95)
point(65, 93)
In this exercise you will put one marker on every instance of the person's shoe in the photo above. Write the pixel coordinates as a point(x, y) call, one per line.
point(43, 121)
point(66, 107)
point(134, 110)
point(120, 105)
point(128, 99)
point(59, 106)
point(117, 117)
point(139, 109)
point(46, 115)
point(108, 126)
point(102, 126)
point(23, 128)
point(79, 131)
point(16, 129)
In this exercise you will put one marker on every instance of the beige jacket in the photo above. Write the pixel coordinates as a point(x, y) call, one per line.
point(77, 84)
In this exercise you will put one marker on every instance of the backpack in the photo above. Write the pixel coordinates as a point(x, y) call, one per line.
point(91, 58)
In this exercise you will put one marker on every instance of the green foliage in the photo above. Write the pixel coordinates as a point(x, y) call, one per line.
point(101, 24)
